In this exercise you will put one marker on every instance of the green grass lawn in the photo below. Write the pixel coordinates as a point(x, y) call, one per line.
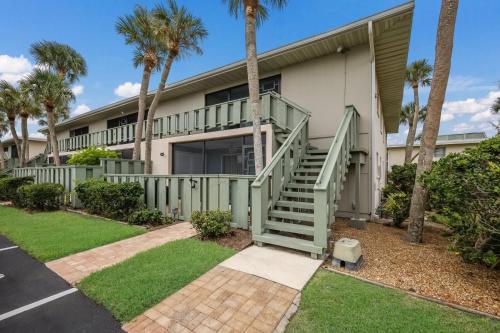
point(51, 235)
point(336, 303)
point(131, 287)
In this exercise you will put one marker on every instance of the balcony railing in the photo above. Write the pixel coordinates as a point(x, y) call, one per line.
point(222, 116)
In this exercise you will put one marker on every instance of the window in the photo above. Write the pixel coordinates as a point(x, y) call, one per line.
point(439, 152)
point(272, 83)
point(223, 156)
point(124, 120)
point(79, 131)
point(126, 154)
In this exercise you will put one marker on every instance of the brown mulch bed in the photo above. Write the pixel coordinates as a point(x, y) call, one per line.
point(428, 269)
point(237, 239)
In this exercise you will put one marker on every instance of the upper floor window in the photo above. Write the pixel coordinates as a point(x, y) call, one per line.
point(439, 152)
point(272, 83)
point(79, 131)
point(124, 120)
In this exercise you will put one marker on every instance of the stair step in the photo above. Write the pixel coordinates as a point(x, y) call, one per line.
point(289, 242)
point(282, 214)
point(317, 151)
point(291, 194)
point(308, 170)
point(289, 227)
point(295, 204)
point(303, 186)
point(309, 178)
point(312, 163)
point(313, 157)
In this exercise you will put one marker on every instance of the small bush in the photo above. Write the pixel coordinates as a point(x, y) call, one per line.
point(112, 200)
point(211, 224)
point(398, 206)
point(146, 216)
point(9, 186)
point(45, 196)
point(91, 156)
point(464, 193)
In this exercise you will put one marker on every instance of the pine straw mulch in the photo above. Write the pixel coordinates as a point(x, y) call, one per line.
point(237, 239)
point(428, 269)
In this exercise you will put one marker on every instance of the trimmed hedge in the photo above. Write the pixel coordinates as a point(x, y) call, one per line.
point(112, 200)
point(211, 224)
point(9, 186)
point(45, 196)
point(145, 216)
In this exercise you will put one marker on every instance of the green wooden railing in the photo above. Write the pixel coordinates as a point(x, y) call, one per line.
point(121, 166)
point(179, 195)
point(331, 177)
point(267, 186)
point(231, 114)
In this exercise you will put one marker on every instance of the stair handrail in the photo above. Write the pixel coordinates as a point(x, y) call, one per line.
point(278, 171)
point(327, 187)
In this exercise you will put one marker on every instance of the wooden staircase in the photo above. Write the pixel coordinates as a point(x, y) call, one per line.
point(300, 190)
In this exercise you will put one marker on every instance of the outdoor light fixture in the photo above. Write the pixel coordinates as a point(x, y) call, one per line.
point(162, 154)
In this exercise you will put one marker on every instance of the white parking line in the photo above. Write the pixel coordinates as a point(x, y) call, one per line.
point(9, 248)
point(36, 304)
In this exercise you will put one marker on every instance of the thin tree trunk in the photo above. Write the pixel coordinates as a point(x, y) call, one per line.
point(253, 84)
point(148, 165)
point(51, 125)
point(442, 64)
point(410, 139)
point(2, 154)
point(13, 131)
point(24, 149)
point(143, 94)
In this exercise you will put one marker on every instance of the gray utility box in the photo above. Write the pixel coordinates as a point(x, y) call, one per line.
point(348, 251)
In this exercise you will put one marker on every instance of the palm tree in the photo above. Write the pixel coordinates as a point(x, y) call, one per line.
point(180, 34)
point(61, 58)
point(9, 104)
point(442, 64)
point(407, 118)
point(4, 128)
point(495, 108)
point(255, 13)
point(418, 74)
point(54, 94)
point(139, 30)
point(28, 108)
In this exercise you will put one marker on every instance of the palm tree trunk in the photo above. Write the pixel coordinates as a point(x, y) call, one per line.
point(143, 94)
point(2, 154)
point(412, 131)
point(253, 84)
point(24, 149)
point(13, 131)
point(442, 63)
point(51, 125)
point(148, 165)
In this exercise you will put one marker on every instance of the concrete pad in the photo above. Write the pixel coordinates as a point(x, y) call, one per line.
point(287, 268)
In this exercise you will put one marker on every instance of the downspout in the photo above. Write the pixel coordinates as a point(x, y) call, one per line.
point(372, 111)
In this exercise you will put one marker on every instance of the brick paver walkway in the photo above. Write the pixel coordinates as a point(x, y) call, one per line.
point(221, 300)
point(75, 267)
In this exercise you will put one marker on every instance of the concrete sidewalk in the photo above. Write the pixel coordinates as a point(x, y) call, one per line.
point(75, 267)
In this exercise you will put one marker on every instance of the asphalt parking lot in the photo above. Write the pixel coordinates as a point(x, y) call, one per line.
point(35, 299)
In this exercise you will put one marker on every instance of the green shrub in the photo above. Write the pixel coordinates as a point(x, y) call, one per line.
point(9, 186)
point(112, 200)
point(45, 196)
point(91, 156)
point(146, 216)
point(398, 206)
point(464, 191)
point(211, 224)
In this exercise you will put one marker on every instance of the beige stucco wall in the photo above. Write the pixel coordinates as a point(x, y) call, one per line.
point(35, 148)
point(324, 86)
point(396, 155)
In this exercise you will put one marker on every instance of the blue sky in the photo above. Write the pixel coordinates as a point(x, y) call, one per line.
point(88, 26)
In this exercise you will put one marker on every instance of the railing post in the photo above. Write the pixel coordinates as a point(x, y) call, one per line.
point(260, 196)
point(321, 216)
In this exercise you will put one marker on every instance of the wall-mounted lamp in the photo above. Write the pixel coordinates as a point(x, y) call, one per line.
point(162, 154)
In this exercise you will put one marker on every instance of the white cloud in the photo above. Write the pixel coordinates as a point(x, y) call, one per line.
point(128, 89)
point(12, 69)
point(77, 90)
point(476, 106)
point(80, 109)
point(446, 117)
point(484, 116)
point(462, 127)
point(467, 83)
point(37, 135)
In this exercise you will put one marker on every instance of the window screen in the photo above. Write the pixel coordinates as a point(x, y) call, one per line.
point(79, 131)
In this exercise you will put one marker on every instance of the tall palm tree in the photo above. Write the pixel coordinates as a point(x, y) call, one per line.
point(61, 58)
point(255, 13)
point(418, 74)
point(28, 108)
point(180, 34)
point(54, 94)
point(442, 64)
point(4, 128)
point(9, 104)
point(406, 117)
point(139, 30)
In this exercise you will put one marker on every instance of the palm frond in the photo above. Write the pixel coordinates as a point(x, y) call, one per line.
point(237, 7)
point(419, 73)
